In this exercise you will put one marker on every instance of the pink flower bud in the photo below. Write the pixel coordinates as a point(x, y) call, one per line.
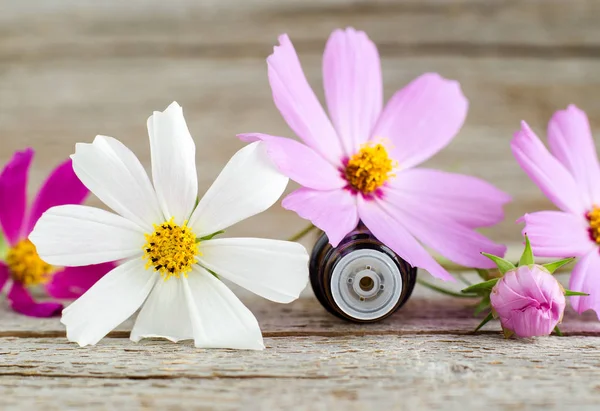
point(528, 301)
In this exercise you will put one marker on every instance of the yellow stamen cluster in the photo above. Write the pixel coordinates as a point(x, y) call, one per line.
point(26, 266)
point(369, 169)
point(594, 219)
point(171, 249)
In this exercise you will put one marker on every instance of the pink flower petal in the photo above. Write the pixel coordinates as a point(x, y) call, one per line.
point(533, 323)
point(299, 162)
point(298, 104)
point(61, 187)
point(72, 282)
point(21, 302)
point(4, 275)
point(571, 142)
point(467, 200)
point(525, 282)
point(422, 118)
point(529, 301)
point(546, 171)
point(13, 194)
point(383, 222)
point(557, 234)
point(458, 243)
point(332, 211)
point(353, 86)
point(585, 278)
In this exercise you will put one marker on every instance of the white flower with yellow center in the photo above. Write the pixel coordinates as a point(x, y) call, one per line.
point(166, 242)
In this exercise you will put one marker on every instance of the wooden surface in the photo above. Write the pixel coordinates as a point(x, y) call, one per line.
point(424, 357)
point(71, 69)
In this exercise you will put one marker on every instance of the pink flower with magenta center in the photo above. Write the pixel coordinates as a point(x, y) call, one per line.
point(528, 301)
point(22, 264)
point(358, 164)
point(569, 175)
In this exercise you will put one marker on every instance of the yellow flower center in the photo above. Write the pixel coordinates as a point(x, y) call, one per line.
point(26, 266)
point(171, 249)
point(369, 169)
point(594, 219)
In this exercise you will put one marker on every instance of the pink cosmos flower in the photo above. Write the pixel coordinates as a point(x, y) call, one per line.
point(528, 301)
point(22, 264)
point(570, 177)
point(360, 165)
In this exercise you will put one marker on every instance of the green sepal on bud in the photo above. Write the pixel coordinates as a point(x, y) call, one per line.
point(483, 288)
point(503, 265)
point(527, 256)
point(553, 266)
point(569, 293)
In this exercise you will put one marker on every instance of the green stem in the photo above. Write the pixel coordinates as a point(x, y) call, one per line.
point(303, 233)
point(444, 290)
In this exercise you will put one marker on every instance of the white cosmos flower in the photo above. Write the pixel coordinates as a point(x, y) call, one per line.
point(166, 271)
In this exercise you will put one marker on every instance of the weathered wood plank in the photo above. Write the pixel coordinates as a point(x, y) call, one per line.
point(390, 372)
point(425, 313)
point(70, 70)
point(532, 28)
point(54, 105)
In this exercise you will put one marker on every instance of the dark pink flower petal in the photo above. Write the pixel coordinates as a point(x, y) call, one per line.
point(4, 275)
point(298, 104)
point(72, 282)
point(422, 118)
point(546, 171)
point(299, 162)
point(13, 194)
point(332, 211)
point(585, 278)
point(466, 200)
point(458, 243)
point(385, 225)
point(557, 234)
point(571, 142)
point(21, 302)
point(61, 187)
point(353, 86)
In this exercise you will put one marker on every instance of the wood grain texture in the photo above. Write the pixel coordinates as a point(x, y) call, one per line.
point(71, 69)
point(307, 373)
point(425, 313)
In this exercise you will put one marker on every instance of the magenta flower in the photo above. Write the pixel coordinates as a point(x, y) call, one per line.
point(528, 301)
point(23, 265)
point(569, 176)
point(361, 164)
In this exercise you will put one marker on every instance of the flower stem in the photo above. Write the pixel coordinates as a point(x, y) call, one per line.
point(302, 233)
point(444, 290)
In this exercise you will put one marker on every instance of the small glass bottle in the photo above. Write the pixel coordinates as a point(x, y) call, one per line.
point(360, 280)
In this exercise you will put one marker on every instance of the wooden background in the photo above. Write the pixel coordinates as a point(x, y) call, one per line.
point(72, 69)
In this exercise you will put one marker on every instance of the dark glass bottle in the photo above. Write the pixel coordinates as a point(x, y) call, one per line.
point(360, 280)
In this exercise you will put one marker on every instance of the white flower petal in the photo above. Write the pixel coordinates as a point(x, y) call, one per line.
point(248, 185)
point(219, 319)
point(165, 313)
point(173, 163)
point(276, 270)
point(112, 300)
point(76, 235)
point(115, 175)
